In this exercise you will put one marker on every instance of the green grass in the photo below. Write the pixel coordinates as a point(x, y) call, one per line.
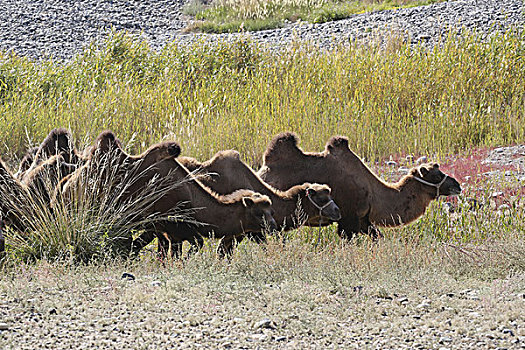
point(397, 100)
point(229, 16)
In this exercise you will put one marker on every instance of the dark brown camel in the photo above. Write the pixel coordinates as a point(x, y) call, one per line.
point(58, 142)
point(227, 216)
point(109, 167)
point(221, 216)
point(226, 172)
point(364, 199)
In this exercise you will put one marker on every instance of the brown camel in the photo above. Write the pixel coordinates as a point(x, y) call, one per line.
point(226, 172)
point(13, 196)
point(108, 167)
point(42, 180)
point(220, 216)
point(365, 200)
point(58, 142)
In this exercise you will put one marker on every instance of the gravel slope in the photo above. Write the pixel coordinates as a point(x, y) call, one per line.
point(60, 29)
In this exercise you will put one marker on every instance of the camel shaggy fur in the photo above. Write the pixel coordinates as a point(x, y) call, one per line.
point(109, 167)
point(226, 172)
point(58, 142)
point(364, 199)
point(227, 216)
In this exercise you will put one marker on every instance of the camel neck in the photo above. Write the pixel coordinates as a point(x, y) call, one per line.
point(400, 203)
point(219, 216)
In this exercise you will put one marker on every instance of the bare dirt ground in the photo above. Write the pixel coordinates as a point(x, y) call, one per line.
point(267, 304)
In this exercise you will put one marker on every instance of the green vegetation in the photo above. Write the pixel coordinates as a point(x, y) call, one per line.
point(398, 100)
point(230, 16)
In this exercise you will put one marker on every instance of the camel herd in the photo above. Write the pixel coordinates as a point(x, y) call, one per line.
point(227, 199)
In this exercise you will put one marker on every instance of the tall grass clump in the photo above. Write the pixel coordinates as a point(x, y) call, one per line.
point(464, 93)
point(95, 220)
point(222, 16)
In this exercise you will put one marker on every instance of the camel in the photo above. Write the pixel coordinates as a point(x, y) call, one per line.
point(226, 172)
point(58, 142)
point(227, 216)
point(13, 195)
point(109, 166)
point(42, 180)
point(365, 200)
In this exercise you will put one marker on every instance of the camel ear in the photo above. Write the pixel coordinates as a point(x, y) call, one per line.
point(423, 171)
point(436, 166)
point(247, 202)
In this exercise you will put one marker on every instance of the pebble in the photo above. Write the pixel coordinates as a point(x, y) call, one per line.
point(264, 323)
point(422, 160)
point(444, 340)
point(402, 300)
point(508, 331)
point(4, 326)
point(423, 305)
point(156, 283)
point(259, 337)
point(504, 207)
point(62, 31)
point(127, 276)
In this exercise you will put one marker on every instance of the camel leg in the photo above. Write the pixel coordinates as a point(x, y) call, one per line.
point(227, 244)
point(143, 240)
point(257, 237)
point(348, 226)
point(196, 244)
point(370, 229)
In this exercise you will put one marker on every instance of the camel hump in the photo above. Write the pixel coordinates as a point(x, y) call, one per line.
point(172, 148)
point(106, 141)
point(337, 144)
point(282, 148)
point(230, 153)
point(225, 157)
point(58, 140)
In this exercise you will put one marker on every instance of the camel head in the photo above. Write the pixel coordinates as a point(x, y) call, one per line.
point(258, 213)
point(319, 205)
point(430, 176)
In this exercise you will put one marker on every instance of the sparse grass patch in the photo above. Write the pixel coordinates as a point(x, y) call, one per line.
point(229, 16)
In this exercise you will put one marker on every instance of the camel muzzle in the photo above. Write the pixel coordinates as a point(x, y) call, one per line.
point(330, 204)
point(436, 185)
